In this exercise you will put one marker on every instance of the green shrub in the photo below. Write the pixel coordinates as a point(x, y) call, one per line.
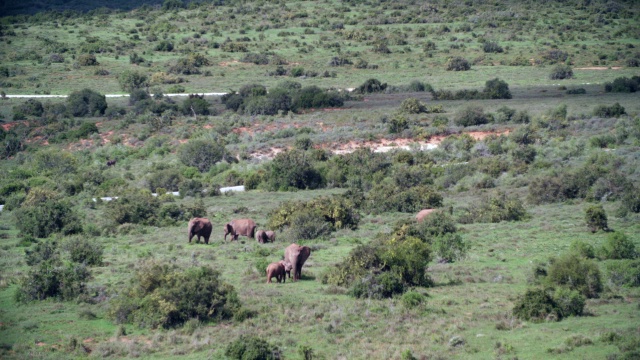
point(45, 217)
point(251, 348)
point(568, 302)
point(383, 197)
point(492, 47)
point(536, 305)
point(86, 102)
point(412, 106)
point(87, 60)
point(623, 85)
point(494, 208)
point(618, 246)
point(131, 80)
point(458, 64)
point(84, 251)
point(561, 72)
point(397, 124)
point(168, 179)
point(292, 169)
point(436, 224)
point(30, 108)
point(163, 295)
point(315, 216)
point(53, 279)
point(576, 91)
point(471, 115)
point(370, 86)
point(624, 272)
point(201, 153)
point(189, 65)
point(582, 249)
point(576, 273)
point(615, 110)
point(596, 218)
point(496, 89)
point(43, 251)
point(195, 104)
point(133, 206)
point(450, 247)
point(412, 299)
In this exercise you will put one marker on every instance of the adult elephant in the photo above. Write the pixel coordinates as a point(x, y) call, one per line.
point(261, 236)
point(296, 255)
point(200, 227)
point(237, 227)
point(423, 214)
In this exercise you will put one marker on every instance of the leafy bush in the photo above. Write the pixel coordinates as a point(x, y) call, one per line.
point(163, 295)
point(618, 246)
point(470, 116)
point(43, 251)
point(133, 206)
point(495, 208)
point(561, 72)
point(131, 80)
point(450, 247)
point(412, 299)
point(623, 85)
point(492, 47)
point(370, 86)
point(201, 153)
point(313, 97)
point(384, 197)
point(53, 279)
point(190, 64)
point(582, 249)
point(322, 213)
point(30, 108)
point(458, 64)
point(251, 348)
point(87, 60)
point(536, 305)
point(496, 89)
point(624, 272)
point(412, 106)
point(292, 169)
point(195, 104)
point(86, 102)
point(576, 91)
point(615, 110)
point(84, 251)
point(596, 218)
point(576, 273)
point(569, 302)
point(41, 218)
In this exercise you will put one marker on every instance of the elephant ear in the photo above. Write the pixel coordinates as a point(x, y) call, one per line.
point(197, 226)
point(229, 228)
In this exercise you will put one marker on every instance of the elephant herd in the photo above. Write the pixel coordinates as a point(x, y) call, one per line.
point(294, 255)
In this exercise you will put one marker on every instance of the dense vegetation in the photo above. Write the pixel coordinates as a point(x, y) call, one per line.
point(516, 123)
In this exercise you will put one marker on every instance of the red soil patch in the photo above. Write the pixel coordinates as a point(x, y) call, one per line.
point(9, 125)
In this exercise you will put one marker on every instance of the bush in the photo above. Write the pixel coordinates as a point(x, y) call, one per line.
point(496, 89)
point(30, 108)
point(577, 91)
point(133, 206)
point(84, 251)
point(370, 86)
point(596, 218)
point(561, 72)
point(624, 272)
point(576, 273)
point(43, 251)
point(330, 213)
point(189, 65)
point(412, 106)
point(582, 249)
point(623, 85)
point(536, 305)
point(163, 295)
point(450, 247)
point(195, 104)
point(87, 60)
point(495, 208)
point(53, 279)
point(618, 246)
point(201, 153)
point(412, 299)
point(86, 102)
point(251, 348)
point(397, 124)
point(383, 198)
point(470, 116)
point(616, 110)
point(131, 80)
point(568, 302)
point(458, 64)
point(492, 47)
point(43, 218)
point(292, 169)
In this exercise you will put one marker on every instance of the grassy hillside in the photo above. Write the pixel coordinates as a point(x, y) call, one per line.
point(532, 251)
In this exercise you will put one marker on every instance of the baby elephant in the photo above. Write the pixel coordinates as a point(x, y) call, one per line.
point(278, 270)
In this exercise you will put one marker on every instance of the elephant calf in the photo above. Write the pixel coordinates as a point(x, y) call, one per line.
point(276, 270)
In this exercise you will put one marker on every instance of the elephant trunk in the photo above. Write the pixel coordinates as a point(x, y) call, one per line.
point(190, 232)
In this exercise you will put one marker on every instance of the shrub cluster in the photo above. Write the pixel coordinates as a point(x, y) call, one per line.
point(493, 89)
point(389, 197)
point(86, 102)
point(189, 65)
point(314, 218)
point(251, 348)
point(458, 64)
point(615, 110)
point(623, 85)
point(495, 208)
point(201, 153)
point(41, 216)
point(561, 72)
point(162, 295)
point(291, 170)
point(540, 304)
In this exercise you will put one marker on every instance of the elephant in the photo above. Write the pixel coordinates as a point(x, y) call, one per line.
point(200, 227)
point(287, 267)
point(261, 236)
point(271, 235)
point(423, 213)
point(276, 270)
point(296, 255)
point(244, 227)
